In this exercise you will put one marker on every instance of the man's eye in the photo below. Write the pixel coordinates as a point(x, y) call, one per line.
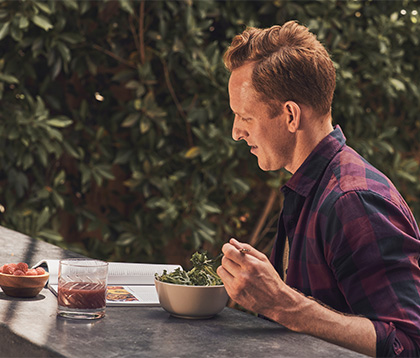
point(246, 119)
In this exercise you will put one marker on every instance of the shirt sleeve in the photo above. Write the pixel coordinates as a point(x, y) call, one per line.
point(373, 249)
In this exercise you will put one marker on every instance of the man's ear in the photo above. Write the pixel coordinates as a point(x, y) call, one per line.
point(293, 113)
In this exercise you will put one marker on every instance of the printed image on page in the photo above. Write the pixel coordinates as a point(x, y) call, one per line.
point(119, 294)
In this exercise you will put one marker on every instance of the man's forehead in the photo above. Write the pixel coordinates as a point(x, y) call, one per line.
point(247, 88)
point(242, 75)
point(242, 93)
point(239, 95)
point(240, 83)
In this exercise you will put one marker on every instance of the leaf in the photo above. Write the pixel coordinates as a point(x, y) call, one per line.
point(205, 235)
point(145, 125)
point(211, 208)
point(353, 5)
point(23, 22)
point(394, 16)
point(386, 147)
point(8, 78)
point(126, 5)
point(407, 176)
point(85, 174)
point(93, 69)
point(4, 31)
point(56, 69)
point(59, 123)
point(42, 22)
point(28, 160)
point(58, 199)
point(19, 181)
point(192, 152)
point(240, 185)
point(73, 4)
point(60, 178)
point(43, 218)
point(70, 150)
point(54, 134)
point(42, 155)
point(126, 239)
point(131, 120)
point(43, 6)
point(64, 51)
point(50, 235)
point(71, 38)
point(105, 171)
point(133, 84)
point(123, 156)
point(397, 84)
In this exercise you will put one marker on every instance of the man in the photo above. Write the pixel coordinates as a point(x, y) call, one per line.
point(351, 241)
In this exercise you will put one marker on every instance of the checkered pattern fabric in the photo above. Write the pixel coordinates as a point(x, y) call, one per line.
point(354, 243)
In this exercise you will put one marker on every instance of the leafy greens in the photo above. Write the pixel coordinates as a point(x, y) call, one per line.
point(202, 273)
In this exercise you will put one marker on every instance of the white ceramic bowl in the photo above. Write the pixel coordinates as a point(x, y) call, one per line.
point(195, 302)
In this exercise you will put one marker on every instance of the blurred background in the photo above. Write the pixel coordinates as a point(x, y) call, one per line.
point(115, 127)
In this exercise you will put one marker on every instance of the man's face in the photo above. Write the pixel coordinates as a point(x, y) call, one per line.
point(268, 136)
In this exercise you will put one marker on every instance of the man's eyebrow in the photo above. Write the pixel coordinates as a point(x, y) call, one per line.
point(237, 114)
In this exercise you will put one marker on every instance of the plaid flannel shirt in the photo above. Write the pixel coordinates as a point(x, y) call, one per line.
point(354, 243)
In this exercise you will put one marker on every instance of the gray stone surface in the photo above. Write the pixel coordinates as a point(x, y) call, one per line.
point(30, 327)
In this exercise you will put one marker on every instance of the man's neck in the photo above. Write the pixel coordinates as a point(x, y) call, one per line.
point(309, 135)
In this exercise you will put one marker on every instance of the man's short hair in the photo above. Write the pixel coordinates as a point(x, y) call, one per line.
point(290, 64)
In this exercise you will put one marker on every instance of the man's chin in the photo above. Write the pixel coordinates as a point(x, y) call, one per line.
point(268, 167)
point(264, 167)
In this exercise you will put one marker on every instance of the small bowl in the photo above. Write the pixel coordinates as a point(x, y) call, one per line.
point(194, 302)
point(23, 286)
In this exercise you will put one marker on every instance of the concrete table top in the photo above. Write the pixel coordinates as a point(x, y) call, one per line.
point(30, 327)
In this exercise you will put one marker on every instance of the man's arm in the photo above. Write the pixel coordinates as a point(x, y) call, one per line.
point(372, 246)
point(251, 281)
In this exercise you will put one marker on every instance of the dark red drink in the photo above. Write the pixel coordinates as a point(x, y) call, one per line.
point(82, 295)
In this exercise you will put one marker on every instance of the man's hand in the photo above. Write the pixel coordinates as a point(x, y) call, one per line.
point(251, 281)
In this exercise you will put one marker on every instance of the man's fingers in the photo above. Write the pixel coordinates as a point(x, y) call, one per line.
point(231, 266)
point(244, 248)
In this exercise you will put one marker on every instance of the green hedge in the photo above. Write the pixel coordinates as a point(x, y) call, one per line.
point(115, 122)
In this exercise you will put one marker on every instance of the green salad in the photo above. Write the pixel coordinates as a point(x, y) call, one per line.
point(202, 273)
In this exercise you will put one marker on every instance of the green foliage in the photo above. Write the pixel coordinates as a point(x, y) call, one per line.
point(202, 274)
point(115, 121)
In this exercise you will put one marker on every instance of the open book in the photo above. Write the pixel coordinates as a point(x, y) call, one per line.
point(128, 283)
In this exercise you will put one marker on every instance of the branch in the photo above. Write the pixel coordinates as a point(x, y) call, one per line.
point(134, 34)
point(141, 33)
point(263, 218)
point(177, 104)
point(114, 56)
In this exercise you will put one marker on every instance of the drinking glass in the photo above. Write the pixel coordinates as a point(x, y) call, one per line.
point(82, 288)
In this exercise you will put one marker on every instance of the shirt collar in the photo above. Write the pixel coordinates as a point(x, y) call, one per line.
point(308, 174)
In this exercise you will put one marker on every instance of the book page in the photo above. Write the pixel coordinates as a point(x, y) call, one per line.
point(120, 273)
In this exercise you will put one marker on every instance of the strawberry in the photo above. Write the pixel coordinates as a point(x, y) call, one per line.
point(31, 272)
point(22, 266)
point(8, 269)
point(40, 271)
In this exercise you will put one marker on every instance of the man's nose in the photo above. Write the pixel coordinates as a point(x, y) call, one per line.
point(238, 132)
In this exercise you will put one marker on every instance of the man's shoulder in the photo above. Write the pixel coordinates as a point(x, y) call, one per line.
point(350, 172)
point(355, 173)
